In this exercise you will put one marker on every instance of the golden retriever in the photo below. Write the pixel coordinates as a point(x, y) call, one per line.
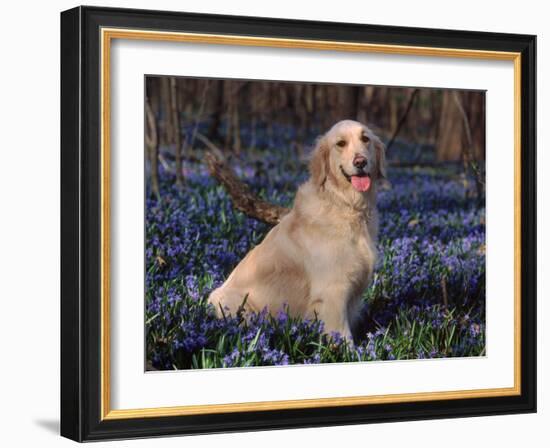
point(320, 257)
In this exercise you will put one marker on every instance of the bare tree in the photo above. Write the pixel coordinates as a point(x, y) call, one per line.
point(454, 138)
point(403, 118)
point(152, 146)
point(469, 162)
point(449, 137)
point(165, 120)
point(176, 128)
point(425, 116)
point(199, 116)
point(214, 129)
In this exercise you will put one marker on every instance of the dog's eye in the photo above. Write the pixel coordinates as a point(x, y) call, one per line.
point(364, 138)
point(341, 143)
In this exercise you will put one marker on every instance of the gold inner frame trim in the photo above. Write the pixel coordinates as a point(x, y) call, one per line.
point(107, 35)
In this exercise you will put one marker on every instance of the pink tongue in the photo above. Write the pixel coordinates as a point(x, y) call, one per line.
point(360, 183)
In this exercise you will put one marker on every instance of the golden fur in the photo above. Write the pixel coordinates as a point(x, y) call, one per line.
point(319, 259)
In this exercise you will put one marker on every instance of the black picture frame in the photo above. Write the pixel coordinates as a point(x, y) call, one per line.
point(81, 415)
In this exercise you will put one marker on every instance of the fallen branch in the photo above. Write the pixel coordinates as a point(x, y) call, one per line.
point(242, 197)
point(211, 146)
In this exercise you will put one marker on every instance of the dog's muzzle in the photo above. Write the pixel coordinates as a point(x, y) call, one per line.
point(360, 181)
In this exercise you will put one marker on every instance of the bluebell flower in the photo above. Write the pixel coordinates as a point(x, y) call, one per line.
point(195, 237)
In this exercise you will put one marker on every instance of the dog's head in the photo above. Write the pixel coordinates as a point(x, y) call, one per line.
point(349, 157)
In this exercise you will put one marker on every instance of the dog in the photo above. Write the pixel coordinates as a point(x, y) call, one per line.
point(319, 259)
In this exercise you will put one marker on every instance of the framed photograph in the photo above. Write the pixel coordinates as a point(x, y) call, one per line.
point(272, 223)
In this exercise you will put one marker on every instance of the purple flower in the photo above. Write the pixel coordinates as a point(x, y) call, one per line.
point(431, 251)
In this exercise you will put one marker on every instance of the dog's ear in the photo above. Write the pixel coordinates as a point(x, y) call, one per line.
point(318, 164)
point(380, 149)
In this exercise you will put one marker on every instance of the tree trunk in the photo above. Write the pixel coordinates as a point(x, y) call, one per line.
point(449, 138)
point(152, 145)
point(228, 115)
point(468, 151)
point(403, 118)
point(474, 105)
point(233, 136)
point(235, 123)
point(393, 110)
point(165, 121)
point(214, 128)
point(176, 128)
point(348, 102)
point(363, 101)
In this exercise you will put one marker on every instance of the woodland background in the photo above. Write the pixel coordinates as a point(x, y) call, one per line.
point(185, 113)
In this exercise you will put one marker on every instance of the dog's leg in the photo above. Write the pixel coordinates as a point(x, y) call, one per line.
point(227, 301)
point(332, 308)
point(338, 324)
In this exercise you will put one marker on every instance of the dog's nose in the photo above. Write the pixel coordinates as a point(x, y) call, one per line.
point(359, 161)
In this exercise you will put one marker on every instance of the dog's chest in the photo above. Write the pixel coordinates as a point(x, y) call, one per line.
point(344, 252)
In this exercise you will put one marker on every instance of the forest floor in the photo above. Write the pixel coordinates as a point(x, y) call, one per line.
point(427, 299)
